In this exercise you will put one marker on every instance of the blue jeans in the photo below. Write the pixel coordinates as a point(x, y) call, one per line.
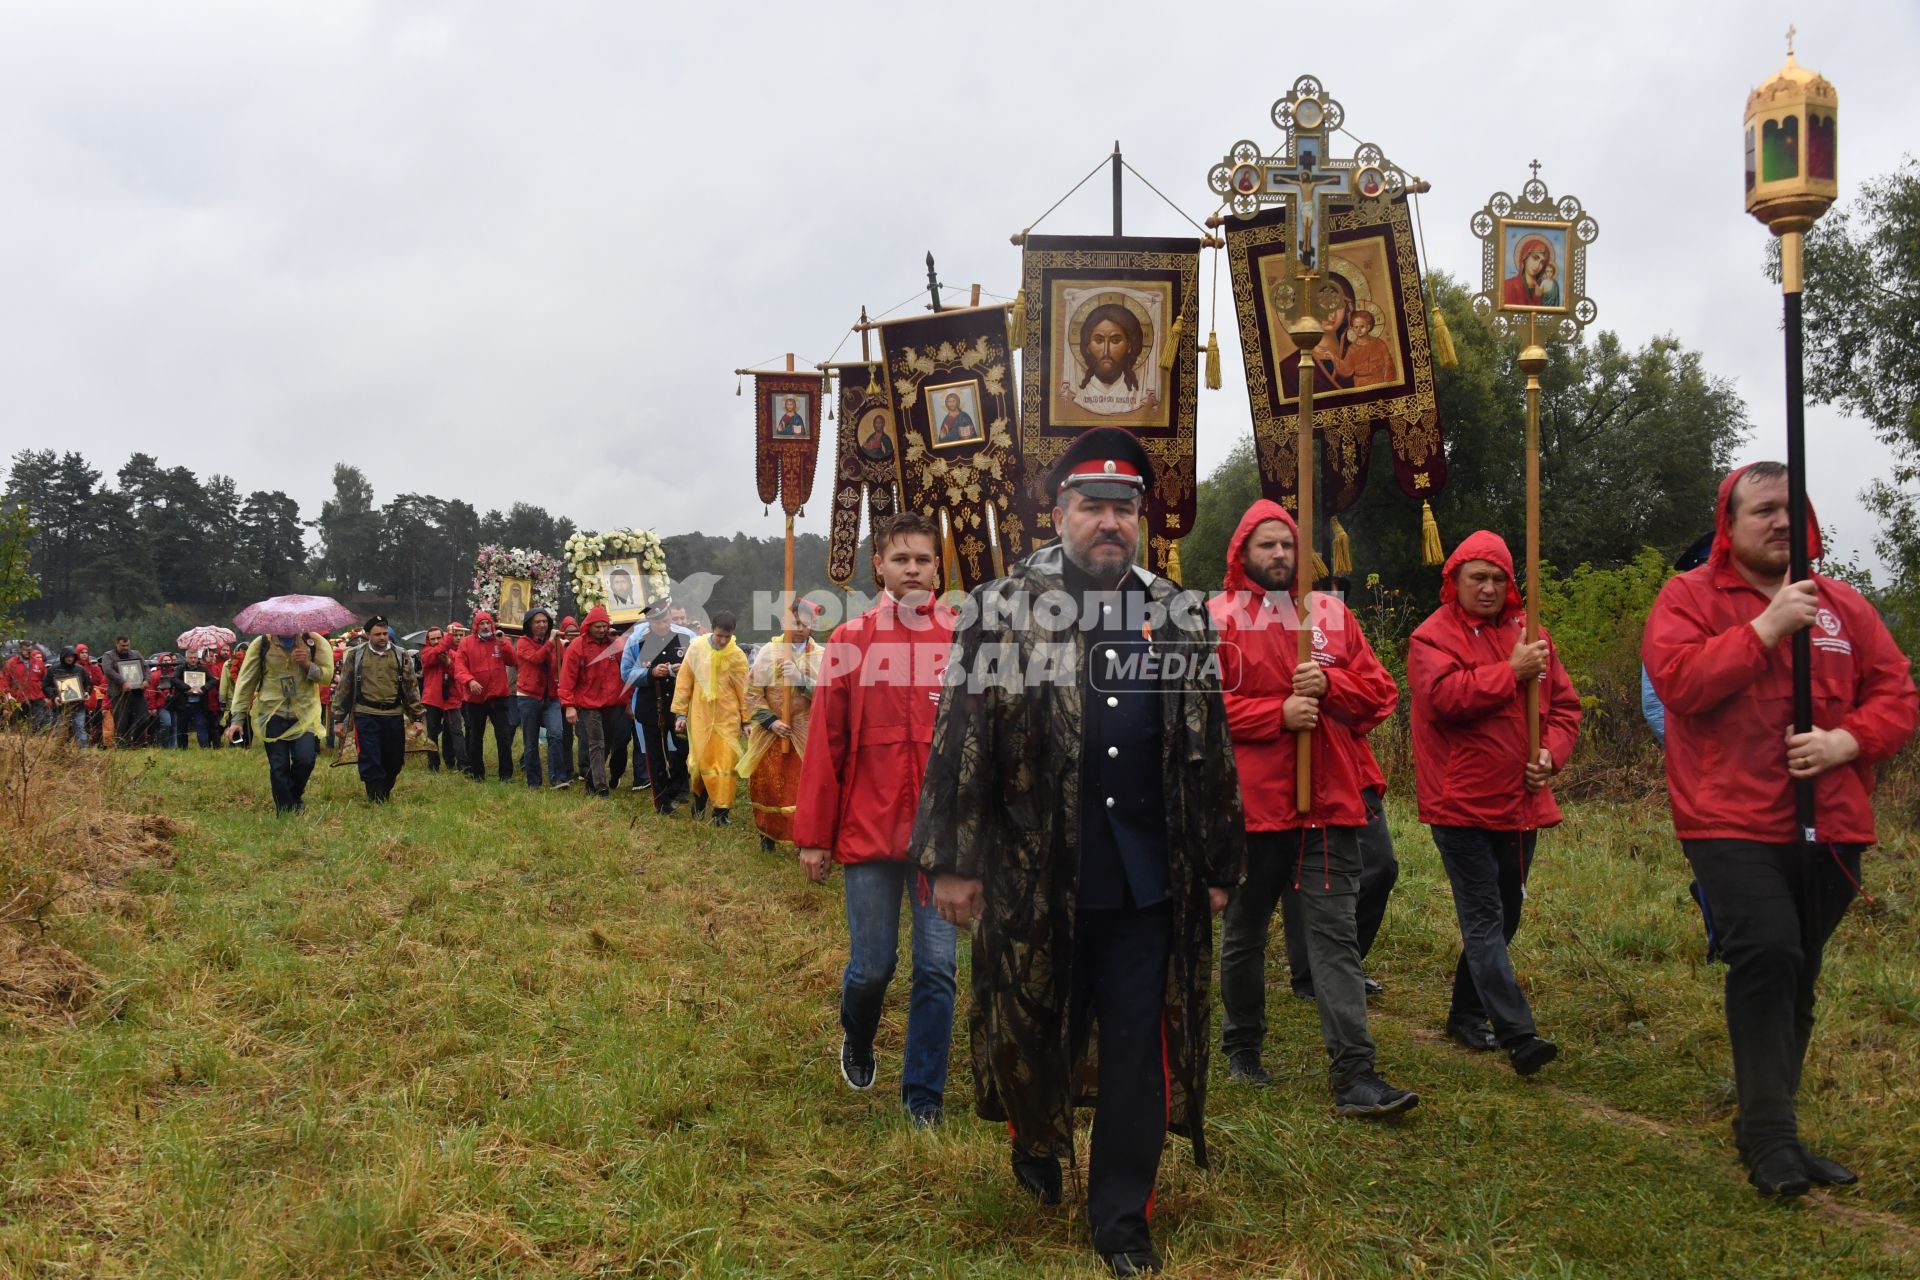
point(532, 715)
point(78, 719)
point(873, 892)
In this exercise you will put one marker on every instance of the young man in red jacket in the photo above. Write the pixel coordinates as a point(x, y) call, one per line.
point(1718, 649)
point(594, 696)
point(26, 673)
point(1339, 694)
point(480, 665)
point(440, 694)
point(1468, 668)
point(873, 714)
point(536, 699)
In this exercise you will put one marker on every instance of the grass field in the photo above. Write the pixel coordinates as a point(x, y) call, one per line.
point(488, 1032)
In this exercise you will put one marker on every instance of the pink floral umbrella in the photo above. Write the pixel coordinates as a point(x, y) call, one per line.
point(199, 638)
point(293, 615)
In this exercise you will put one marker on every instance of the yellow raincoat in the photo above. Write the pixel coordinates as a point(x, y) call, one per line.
point(712, 694)
point(772, 765)
point(279, 693)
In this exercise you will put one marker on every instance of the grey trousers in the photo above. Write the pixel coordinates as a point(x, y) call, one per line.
point(1321, 867)
point(1379, 872)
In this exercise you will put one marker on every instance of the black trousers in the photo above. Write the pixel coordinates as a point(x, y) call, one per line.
point(498, 711)
point(1120, 986)
point(131, 723)
point(600, 728)
point(289, 765)
point(1379, 872)
point(444, 737)
point(1488, 871)
point(666, 761)
point(1774, 907)
point(382, 742)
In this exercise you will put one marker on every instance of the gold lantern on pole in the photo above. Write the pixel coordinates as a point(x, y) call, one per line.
point(1793, 144)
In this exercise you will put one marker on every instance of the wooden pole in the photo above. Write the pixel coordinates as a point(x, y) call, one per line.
point(1116, 186)
point(1533, 361)
point(1306, 334)
point(786, 689)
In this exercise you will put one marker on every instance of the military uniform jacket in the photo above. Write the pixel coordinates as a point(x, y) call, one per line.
point(1002, 803)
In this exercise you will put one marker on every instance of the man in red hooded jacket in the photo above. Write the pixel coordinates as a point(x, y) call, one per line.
point(1337, 695)
point(26, 672)
point(441, 696)
point(1468, 668)
point(873, 715)
point(594, 696)
point(1717, 649)
point(480, 665)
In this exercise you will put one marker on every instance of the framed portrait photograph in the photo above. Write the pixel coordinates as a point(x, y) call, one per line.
point(69, 689)
point(788, 413)
point(873, 435)
point(623, 589)
point(196, 681)
point(516, 597)
point(953, 409)
point(133, 674)
point(1106, 353)
point(1531, 265)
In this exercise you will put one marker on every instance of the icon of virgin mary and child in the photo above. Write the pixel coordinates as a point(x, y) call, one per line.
point(1351, 355)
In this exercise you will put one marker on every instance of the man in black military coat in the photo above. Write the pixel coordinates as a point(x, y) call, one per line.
point(1081, 811)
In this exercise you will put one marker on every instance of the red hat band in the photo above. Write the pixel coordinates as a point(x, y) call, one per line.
point(1104, 469)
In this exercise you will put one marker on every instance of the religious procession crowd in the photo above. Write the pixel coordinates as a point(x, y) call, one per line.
point(1085, 788)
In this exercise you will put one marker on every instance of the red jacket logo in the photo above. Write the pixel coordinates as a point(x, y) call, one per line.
point(1828, 622)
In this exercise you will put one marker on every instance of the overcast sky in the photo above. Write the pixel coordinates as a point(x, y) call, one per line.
point(513, 251)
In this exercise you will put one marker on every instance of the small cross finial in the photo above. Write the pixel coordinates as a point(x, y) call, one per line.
point(1535, 166)
point(1792, 31)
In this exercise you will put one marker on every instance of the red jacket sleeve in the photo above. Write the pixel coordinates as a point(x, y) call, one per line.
point(1250, 717)
point(1454, 690)
point(1361, 693)
point(1560, 725)
point(1886, 708)
point(569, 675)
point(816, 812)
point(461, 675)
point(1693, 668)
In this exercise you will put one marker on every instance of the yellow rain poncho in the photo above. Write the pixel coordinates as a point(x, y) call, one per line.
point(712, 694)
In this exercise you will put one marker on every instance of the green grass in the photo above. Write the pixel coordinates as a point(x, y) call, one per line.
point(486, 1032)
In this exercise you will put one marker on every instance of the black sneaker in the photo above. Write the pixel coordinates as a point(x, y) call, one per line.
point(766, 844)
point(1373, 987)
point(668, 809)
point(1780, 1173)
point(642, 786)
point(1244, 1065)
point(1477, 1038)
point(721, 818)
point(561, 785)
point(1367, 1095)
point(1823, 1172)
point(926, 1117)
point(855, 1068)
point(1531, 1053)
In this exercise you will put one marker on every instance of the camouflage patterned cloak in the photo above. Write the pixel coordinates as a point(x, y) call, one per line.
point(1001, 803)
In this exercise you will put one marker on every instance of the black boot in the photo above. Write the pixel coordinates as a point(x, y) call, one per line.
point(1244, 1065)
point(766, 844)
point(1038, 1176)
point(1477, 1038)
point(699, 806)
point(1531, 1053)
point(1780, 1173)
point(721, 818)
point(1823, 1172)
point(1133, 1262)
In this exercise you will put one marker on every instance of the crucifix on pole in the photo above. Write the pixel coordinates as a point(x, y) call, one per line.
point(1309, 183)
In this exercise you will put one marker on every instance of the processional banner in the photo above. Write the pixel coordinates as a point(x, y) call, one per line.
point(1110, 342)
point(1373, 367)
point(787, 436)
point(866, 467)
point(949, 378)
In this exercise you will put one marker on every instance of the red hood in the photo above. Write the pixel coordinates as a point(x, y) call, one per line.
point(480, 616)
point(596, 614)
point(1258, 514)
point(1722, 553)
point(568, 623)
point(1479, 545)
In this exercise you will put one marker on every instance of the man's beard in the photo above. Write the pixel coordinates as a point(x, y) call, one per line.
point(1278, 578)
point(1083, 560)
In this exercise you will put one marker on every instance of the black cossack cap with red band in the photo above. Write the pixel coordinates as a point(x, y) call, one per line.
point(1104, 462)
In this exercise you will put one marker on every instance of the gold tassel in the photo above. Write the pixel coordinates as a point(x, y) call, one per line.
point(1342, 552)
point(1017, 321)
point(1173, 562)
point(1213, 361)
point(1171, 352)
point(1443, 353)
point(1319, 567)
point(736, 386)
point(873, 380)
point(1431, 552)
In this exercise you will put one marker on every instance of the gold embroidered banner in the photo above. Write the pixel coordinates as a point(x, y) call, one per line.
point(949, 379)
point(866, 467)
point(1374, 366)
point(787, 441)
point(1111, 324)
